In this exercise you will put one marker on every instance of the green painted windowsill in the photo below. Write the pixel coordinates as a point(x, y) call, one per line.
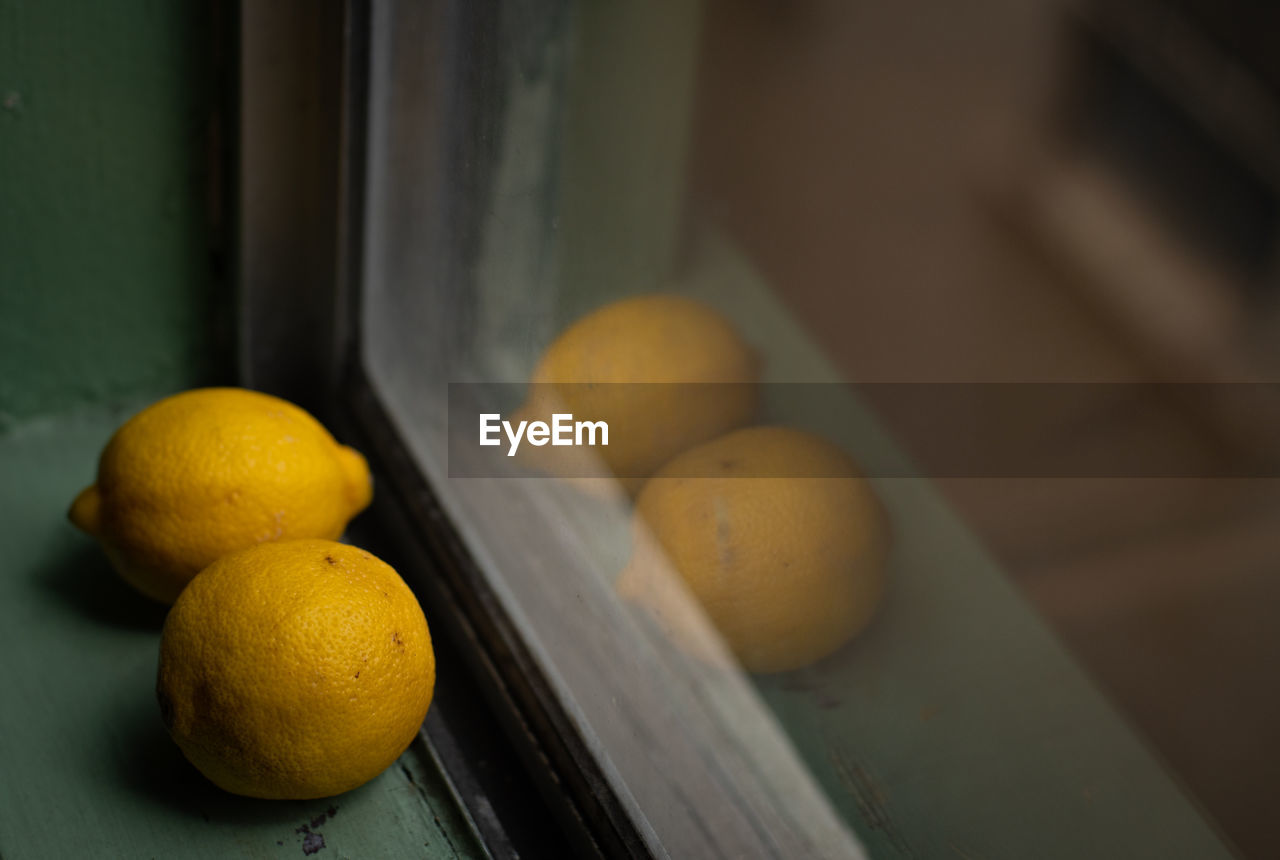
point(88, 769)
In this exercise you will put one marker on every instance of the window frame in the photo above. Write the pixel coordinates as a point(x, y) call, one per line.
point(304, 79)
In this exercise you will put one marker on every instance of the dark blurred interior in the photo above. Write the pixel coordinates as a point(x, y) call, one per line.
point(1050, 192)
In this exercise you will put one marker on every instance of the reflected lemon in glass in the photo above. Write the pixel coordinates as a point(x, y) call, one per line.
point(777, 536)
point(663, 371)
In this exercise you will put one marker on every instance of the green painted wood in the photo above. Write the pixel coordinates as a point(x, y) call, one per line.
point(106, 200)
point(86, 768)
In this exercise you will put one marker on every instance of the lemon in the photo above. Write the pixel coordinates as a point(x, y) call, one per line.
point(663, 371)
point(207, 472)
point(775, 533)
point(297, 669)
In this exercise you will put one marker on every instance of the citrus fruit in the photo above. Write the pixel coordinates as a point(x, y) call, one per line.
point(663, 371)
point(210, 471)
point(774, 532)
point(297, 669)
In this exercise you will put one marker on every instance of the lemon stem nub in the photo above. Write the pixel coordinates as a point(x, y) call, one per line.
point(85, 510)
point(359, 481)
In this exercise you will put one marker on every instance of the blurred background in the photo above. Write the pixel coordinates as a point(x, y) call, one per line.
point(1050, 192)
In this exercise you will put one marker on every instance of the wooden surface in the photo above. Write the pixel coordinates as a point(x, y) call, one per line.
point(86, 768)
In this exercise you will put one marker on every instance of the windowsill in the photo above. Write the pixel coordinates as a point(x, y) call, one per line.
point(87, 764)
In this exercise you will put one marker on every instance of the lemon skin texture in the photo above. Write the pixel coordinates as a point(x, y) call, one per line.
point(211, 471)
point(298, 669)
point(787, 566)
point(626, 364)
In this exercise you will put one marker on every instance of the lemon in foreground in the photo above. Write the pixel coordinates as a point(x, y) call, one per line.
point(298, 669)
point(210, 471)
point(663, 371)
point(775, 533)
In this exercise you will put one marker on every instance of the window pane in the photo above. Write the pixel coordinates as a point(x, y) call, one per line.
point(865, 287)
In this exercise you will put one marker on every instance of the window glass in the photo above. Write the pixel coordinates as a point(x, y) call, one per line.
point(902, 541)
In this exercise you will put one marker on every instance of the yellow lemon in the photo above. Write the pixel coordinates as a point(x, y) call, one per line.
point(663, 371)
point(207, 472)
point(775, 533)
point(297, 670)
